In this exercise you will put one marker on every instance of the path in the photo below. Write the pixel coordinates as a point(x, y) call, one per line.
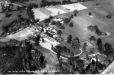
point(48, 46)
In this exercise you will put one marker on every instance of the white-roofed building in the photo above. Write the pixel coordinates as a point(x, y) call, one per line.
point(50, 40)
point(75, 6)
point(39, 15)
point(56, 10)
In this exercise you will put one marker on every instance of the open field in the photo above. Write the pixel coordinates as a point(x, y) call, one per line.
point(51, 59)
point(106, 25)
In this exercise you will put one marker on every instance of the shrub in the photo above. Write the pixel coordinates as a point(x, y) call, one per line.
point(71, 24)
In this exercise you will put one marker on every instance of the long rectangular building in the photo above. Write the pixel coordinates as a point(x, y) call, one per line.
point(44, 13)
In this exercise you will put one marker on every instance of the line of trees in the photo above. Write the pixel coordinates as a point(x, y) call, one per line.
point(75, 43)
point(93, 68)
point(20, 1)
point(49, 3)
point(32, 59)
point(104, 48)
point(20, 57)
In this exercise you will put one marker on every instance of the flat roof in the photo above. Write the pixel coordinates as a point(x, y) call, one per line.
point(44, 13)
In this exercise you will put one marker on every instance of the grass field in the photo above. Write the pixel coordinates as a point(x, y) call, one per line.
point(106, 25)
point(82, 20)
point(51, 59)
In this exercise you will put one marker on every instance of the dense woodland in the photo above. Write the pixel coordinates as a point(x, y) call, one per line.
point(20, 57)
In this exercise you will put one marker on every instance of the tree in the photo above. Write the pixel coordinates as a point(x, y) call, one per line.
point(32, 59)
point(97, 4)
point(80, 65)
point(28, 47)
point(90, 13)
point(92, 38)
point(94, 67)
point(30, 13)
point(37, 20)
point(48, 19)
point(53, 23)
point(108, 49)
point(100, 66)
point(67, 20)
point(69, 38)
point(58, 49)
point(69, 1)
point(58, 53)
point(71, 24)
point(64, 2)
point(43, 1)
point(97, 30)
point(12, 61)
point(59, 32)
point(90, 28)
point(91, 68)
point(76, 43)
point(19, 19)
point(100, 45)
point(62, 27)
point(76, 63)
point(84, 46)
point(12, 1)
point(75, 13)
point(109, 16)
point(42, 61)
point(37, 39)
point(18, 8)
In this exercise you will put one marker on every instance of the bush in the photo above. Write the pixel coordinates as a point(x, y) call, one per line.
point(59, 32)
point(67, 20)
point(62, 27)
point(89, 13)
point(75, 13)
point(92, 38)
point(71, 24)
point(108, 16)
point(0, 21)
point(95, 29)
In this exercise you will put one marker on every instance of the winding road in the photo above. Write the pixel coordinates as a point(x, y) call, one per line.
point(48, 47)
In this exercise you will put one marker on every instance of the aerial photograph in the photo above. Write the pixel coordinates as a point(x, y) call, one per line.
point(56, 37)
